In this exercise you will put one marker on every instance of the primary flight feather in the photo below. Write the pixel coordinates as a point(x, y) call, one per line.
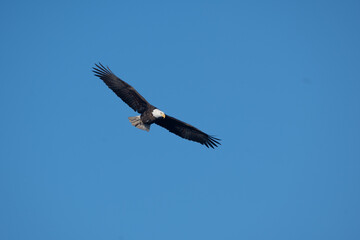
point(148, 113)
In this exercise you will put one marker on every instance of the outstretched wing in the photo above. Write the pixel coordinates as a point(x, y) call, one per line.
point(123, 90)
point(187, 131)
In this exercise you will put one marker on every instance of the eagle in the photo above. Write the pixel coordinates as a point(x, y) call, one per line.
point(148, 113)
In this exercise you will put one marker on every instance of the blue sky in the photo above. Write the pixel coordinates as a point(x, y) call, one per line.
point(277, 81)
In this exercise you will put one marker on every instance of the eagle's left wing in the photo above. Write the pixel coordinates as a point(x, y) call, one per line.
point(187, 131)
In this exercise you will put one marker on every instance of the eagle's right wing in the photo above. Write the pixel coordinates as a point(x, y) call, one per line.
point(123, 90)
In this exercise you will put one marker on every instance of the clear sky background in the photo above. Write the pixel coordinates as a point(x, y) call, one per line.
point(277, 81)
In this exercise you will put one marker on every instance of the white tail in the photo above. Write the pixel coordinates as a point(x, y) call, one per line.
point(136, 121)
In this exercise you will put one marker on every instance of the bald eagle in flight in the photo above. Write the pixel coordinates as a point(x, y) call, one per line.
point(149, 113)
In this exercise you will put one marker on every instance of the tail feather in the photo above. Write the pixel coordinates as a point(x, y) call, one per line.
point(136, 121)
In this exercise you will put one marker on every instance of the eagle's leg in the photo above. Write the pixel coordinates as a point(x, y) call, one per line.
point(136, 121)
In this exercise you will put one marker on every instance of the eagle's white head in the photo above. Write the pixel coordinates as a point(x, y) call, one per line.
point(157, 113)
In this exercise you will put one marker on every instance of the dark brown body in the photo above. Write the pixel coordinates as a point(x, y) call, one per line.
point(147, 116)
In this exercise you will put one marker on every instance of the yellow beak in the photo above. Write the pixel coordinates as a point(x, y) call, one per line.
point(163, 115)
